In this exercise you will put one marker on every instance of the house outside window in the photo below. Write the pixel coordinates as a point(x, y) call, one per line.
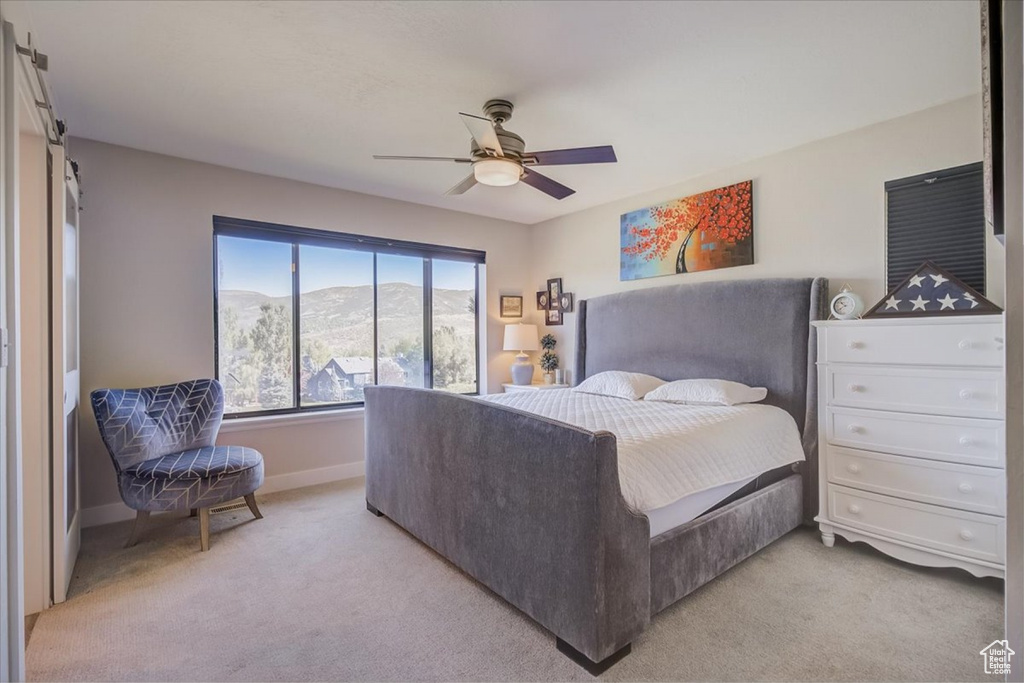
point(306, 319)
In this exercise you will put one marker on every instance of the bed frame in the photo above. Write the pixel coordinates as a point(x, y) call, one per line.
point(531, 507)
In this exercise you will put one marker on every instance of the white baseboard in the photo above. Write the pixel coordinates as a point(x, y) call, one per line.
point(119, 512)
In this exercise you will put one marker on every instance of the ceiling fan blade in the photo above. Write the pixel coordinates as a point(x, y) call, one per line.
point(580, 155)
point(482, 131)
point(457, 160)
point(467, 182)
point(546, 185)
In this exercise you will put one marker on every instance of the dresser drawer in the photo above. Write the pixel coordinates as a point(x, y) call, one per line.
point(952, 531)
point(963, 393)
point(963, 440)
point(960, 344)
point(964, 487)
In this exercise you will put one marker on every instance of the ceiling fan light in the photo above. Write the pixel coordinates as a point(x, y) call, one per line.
point(497, 172)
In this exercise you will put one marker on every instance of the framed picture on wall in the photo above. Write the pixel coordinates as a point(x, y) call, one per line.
point(511, 306)
point(554, 316)
point(565, 302)
point(542, 301)
point(554, 292)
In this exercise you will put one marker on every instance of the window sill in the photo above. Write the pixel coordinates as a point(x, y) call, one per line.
point(246, 424)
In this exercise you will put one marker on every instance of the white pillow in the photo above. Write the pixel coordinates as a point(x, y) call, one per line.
point(618, 384)
point(706, 392)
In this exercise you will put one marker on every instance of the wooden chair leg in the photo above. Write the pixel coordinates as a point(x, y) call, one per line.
point(204, 529)
point(250, 500)
point(140, 523)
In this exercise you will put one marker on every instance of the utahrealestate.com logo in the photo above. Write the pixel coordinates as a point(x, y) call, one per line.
point(997, 657)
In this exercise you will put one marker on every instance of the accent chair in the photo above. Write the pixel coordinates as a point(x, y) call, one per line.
point(161, 440)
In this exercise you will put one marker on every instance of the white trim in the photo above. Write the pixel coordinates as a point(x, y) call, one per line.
point(246, 424)
point(929, 320)
point(119, 512)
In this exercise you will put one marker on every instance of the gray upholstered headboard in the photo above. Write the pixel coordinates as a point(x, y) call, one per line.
point(753, 331)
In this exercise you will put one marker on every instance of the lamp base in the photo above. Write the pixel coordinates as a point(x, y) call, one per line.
point(522, 370)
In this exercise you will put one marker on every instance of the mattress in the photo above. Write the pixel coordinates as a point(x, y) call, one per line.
point(690, 507)
point(667, 451)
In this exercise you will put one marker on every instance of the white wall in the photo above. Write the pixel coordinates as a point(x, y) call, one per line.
point(147, 284)
point(819, 210)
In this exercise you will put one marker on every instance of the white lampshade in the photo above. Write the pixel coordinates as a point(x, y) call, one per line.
point(497, 172)
point(521, 337)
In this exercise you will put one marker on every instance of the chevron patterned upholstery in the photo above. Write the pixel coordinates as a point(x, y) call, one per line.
point(161, 440)
point(198, 478)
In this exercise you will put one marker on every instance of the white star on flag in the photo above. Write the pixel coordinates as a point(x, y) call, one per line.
point(970, 297)
point(893, 302)
point(939, 279)
point(919, 303)
point(947, 302)
point(916, 280)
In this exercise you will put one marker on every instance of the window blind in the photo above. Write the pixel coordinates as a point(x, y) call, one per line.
point(937, 217)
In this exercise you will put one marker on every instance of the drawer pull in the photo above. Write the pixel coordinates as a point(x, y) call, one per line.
point(854, 509)
point(855, 388)
point(965, 487)
point(853, 467)
point(966, 441)
point(855, 344)
point(966, 394)
point(855, 429)
point(967, 535)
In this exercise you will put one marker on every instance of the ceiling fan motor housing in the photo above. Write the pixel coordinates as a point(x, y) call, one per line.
point(499, 111)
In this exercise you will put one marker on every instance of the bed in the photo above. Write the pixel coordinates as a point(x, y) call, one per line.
point(533, 508)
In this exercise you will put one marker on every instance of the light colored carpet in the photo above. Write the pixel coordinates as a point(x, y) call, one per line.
point(322, 590)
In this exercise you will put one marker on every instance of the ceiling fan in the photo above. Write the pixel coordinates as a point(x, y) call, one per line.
point(499, 159)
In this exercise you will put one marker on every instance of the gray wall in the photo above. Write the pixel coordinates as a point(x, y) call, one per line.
point(147, 283)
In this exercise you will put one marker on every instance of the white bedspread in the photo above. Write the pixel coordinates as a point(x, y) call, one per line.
point(668, 451)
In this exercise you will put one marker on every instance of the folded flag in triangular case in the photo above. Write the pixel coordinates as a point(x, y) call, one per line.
point(931, 291)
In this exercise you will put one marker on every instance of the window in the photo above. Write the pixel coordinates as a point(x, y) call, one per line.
point(306, 319)
point(937, 217)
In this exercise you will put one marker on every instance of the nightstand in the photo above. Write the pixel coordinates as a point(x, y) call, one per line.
point(536, 386)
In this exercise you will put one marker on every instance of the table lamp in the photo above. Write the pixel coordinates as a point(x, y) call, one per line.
point(521, 338)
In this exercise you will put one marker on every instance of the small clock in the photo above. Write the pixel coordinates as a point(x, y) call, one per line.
point(846, 305)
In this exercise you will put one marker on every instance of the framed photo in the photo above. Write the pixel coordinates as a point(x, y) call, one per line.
point(553, 317)
point(554, 292)
point(542, 301)
point(565, 302)
point(511, 307)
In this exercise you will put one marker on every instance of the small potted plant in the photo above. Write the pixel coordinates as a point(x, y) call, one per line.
point(548, 360)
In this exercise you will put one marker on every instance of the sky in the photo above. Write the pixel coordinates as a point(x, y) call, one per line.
point(265, 267)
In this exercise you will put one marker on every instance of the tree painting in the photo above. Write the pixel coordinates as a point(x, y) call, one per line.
point(709, 230)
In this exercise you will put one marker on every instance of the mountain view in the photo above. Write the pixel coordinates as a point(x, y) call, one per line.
point(336, 343)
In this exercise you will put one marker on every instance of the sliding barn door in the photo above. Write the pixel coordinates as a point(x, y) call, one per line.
point(64, 345)
point(12, 634)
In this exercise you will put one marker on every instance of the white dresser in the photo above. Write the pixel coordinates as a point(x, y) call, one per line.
point(912, 438)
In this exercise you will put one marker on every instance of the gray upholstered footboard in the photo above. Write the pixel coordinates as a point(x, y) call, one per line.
point(529, 507)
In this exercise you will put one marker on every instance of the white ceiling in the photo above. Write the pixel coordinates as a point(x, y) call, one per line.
point(310, 90)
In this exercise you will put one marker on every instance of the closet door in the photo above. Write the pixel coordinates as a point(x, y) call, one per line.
point(64, 344)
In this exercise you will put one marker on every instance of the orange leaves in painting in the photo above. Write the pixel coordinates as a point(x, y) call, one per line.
point(724, 214)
